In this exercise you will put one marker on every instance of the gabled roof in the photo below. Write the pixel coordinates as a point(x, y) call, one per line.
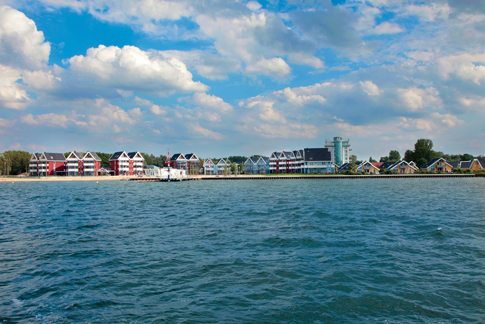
point(221, 161)
point(275, 155)
point(177, 156)
point(55, 157)
point(377, 164)
point(482, 163)
point(251, 160)
point(264, 159)
point(75, 155)
point(93, 155)
point(386, 165)
point(465, 164)
point(132, 155)
point(117, 155)
point(317, 154)
point(344, 166)
point(399, 163)
point(433, 161)
point(455, 164)
point(287, 154)
point(34, 157)
point(191, 156)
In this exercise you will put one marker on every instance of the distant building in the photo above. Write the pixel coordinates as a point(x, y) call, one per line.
point(340, 150)
point(74, 164)
point(47, 164)
point(251, 165)
point(151, 171)
point(317, 160)
point(91, 164)
point(438, 165)
point(122, 163)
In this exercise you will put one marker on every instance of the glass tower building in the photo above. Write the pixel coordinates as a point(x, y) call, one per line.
point(340, 150)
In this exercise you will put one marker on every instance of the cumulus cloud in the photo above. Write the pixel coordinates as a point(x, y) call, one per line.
point(52, 120)
point(207, 133)
point(21, 44)
point(465, 66)
point(12, 94)
point(416, 99)
point(110, 114)
point(5, 123)
point(275, 68)
point(208, 101)
point(130, 68)
point(370, 88)
point(435, 122)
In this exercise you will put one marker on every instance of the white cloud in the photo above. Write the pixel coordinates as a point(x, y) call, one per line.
point(208, 101)
point(52, 120)
point(21, 44)
point(466, 66)
point(435, 122)
point(41, 80)
point(386, 28)
point(295, 96)
point(291, 130)
point(130, 68)
point(433, 12)
point(253, 5)
point(370, 88)
point(476, 103)
point(206, 132)
point(109, 114)
point(147, 15)
point(275, 68)
point(416, 99)
point(12, 94)
point(5, 123)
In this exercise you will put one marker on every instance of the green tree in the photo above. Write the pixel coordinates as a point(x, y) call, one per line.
point(421, 162)
point(104, 159)
point(409, 156)
point(394, 156)
point(237, 159)
point(17, 161)
point(353, 158)
point(466, 157)
point(372, 160)
point(351, 167)
point(148, 159)
point(423, 149)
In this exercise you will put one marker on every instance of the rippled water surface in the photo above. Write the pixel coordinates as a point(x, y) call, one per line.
point(340, 251)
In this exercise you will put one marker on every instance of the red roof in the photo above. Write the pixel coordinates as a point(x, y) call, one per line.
point(377, 164)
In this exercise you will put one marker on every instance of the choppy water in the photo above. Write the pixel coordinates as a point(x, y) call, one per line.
point(331, 251)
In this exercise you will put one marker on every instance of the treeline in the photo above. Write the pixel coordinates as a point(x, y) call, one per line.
point(423, 153)
point(14, 162)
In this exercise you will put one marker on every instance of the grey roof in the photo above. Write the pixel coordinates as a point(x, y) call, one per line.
point(344, 167)
point(254, 159)
point(277, 154)
point(95, 156)
point(455, 164)
point(482, 163)
point(189, 156)
point(433, 161)
point(287, 154)
point(55, 157)
point(78, 155)
point(387, 165)
point(176, 156)
point(131, 155)
point(465, 164)
point(317, 154)
point(265, 159)
point(116, 155)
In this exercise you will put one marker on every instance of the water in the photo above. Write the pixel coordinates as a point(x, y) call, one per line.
point(319, 251)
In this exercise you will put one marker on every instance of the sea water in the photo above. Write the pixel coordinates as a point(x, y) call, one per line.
point(299, 251)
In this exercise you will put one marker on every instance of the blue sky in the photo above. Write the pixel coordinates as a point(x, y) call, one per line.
point(223, 78)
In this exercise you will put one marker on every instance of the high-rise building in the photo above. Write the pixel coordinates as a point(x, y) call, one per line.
point(340, 150)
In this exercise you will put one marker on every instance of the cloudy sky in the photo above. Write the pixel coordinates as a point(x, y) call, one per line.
point(222, 78)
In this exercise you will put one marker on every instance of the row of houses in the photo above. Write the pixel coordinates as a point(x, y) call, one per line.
point(307, 161)
point(84, 164)
point(435, 165)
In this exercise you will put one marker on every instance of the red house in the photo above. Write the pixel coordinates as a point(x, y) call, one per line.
point(47, 164)
point(122, 163)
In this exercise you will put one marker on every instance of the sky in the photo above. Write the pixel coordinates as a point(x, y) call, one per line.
point(221, 78)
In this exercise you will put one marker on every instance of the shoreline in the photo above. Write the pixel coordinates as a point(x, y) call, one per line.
point(240, 177)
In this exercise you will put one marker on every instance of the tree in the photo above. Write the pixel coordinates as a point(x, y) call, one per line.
point(104, 159)
point(372, 160)
point(17, 161)
point(394, 156)
point(466, 157)
point(421, 162)
point(148, 159)
point(351, 167)
point(409, 156)
point(423, 149)
point(237, 159)
point(353, 158)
